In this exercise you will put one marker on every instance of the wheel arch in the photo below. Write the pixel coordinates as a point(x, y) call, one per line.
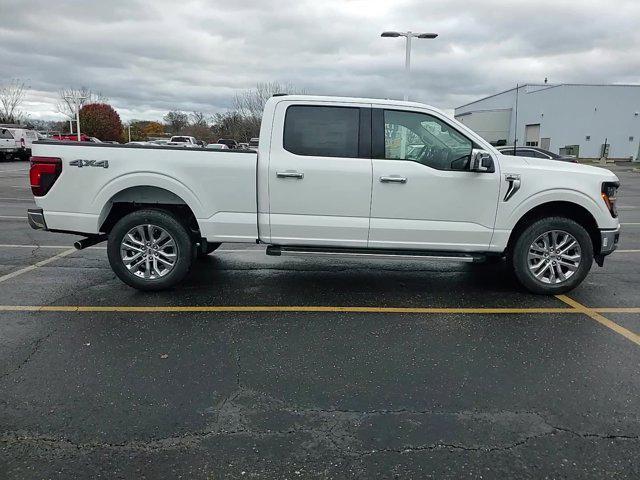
point(141, 197)
point(560, 208)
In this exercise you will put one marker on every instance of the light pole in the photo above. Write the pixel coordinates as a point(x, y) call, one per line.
point(407, 59)
point(76, 102)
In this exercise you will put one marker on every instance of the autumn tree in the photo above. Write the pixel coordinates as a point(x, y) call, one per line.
point(11, 98)
point(143, 129)
point(102, 121)
point(153, 129)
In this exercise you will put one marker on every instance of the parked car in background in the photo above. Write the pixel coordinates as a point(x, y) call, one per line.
point(243, 145)
point(183, 141)
point(229, 142)
point(159, 142)
point(535, 152)
point(138, 143)
point(71, 137)
point(253, 143)
point(217, 146)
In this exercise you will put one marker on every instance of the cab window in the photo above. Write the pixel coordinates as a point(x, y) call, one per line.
point(321, 131)
point(425, 139)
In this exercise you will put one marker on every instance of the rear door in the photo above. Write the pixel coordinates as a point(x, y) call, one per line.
point(320, 174)
point(424, 197)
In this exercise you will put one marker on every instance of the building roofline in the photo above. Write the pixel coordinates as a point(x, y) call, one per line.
point(550, 85)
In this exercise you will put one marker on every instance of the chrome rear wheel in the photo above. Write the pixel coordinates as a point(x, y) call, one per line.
point(148, 251)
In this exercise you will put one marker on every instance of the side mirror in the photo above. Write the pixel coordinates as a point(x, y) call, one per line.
point(481, 161)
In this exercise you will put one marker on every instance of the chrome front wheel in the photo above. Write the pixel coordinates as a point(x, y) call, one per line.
point(148, 251)
point(554, 257)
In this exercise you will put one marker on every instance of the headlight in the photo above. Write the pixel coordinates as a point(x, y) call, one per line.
point(609, 190)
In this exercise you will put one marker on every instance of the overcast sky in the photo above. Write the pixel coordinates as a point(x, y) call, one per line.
point(149, 56)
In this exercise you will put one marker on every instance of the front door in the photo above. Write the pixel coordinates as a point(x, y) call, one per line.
point(320, 174)
point(424, 197)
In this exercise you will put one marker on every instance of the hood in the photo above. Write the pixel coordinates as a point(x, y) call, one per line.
point(559, 166)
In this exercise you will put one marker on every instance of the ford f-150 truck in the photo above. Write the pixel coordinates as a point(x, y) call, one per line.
point(332, 176)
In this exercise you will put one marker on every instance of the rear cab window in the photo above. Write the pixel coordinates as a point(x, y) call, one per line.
point(5, 134)
point(322, 131)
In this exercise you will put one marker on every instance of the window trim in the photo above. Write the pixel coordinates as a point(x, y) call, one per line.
point(364, 129)
point(377, 133)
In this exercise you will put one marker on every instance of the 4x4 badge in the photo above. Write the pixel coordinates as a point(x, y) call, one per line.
point(90, 163)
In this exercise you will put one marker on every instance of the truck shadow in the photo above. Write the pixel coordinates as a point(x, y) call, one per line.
point(381, 283)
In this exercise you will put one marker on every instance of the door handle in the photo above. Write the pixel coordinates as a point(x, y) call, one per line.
point(393, 179)
point(290, 174)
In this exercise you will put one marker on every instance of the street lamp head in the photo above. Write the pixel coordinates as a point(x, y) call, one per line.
point(391, 34)
point(427, 35)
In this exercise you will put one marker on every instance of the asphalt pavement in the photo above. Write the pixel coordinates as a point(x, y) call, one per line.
point(268, 367)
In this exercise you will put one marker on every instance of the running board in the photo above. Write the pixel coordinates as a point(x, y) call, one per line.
point(278, 251)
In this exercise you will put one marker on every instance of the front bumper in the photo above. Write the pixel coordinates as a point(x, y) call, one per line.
point(35, 216)
point(609, 241)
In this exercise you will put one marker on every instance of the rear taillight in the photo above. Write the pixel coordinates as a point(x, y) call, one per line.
point(609, 190)
point(43, 174)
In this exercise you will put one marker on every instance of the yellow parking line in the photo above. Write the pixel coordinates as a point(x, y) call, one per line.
point(617, 310)
point(590, 312)
point(278, 308)
point(36, 265)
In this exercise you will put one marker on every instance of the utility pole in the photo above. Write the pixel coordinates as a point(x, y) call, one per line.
point(407, 54)
point(76, 102)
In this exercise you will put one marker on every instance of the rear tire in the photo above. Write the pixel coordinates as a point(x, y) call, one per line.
point(552, 256)
point(150, 250)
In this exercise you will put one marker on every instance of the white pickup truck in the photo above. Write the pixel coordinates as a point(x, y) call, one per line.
point(332, 176)
point(183, 141)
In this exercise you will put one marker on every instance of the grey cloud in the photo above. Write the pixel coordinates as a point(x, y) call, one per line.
point(149, 55)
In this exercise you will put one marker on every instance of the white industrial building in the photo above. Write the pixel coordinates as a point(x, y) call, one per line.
point(573, 119)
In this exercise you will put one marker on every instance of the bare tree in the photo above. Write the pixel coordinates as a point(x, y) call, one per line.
point(250, 103)
point(176, 121)
point(200, 119)
point(72, 98)
point(11, 98)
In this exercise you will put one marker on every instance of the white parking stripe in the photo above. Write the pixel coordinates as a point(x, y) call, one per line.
point(36, 265)
point(25, 199)
point(11, 217)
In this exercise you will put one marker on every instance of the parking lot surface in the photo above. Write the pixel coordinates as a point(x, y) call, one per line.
point(263, 367)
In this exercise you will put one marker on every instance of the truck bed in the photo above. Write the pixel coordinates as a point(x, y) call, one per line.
point(219, 186)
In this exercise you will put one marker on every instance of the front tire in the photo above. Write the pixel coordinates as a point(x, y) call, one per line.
point(552, 256)
point(150, 250)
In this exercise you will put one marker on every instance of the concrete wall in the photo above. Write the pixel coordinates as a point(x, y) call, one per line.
point(492, 125)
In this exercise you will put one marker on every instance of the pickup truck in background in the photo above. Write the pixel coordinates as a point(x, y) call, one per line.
point(184, 141)
point(15, 142)
point(336, 176)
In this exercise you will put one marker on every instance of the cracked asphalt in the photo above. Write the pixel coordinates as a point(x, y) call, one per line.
point(295, 394)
